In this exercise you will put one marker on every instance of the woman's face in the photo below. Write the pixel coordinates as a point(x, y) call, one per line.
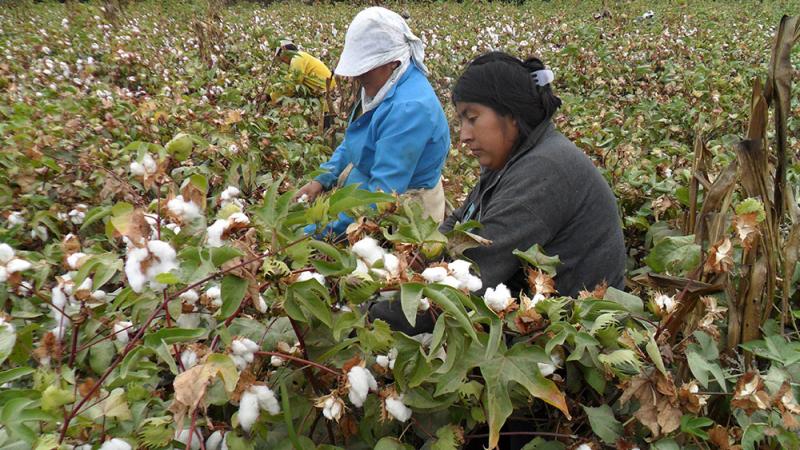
point(373, 80)
point(489, 136)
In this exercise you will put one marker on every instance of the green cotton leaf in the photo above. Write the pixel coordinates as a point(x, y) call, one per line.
point(167, 278)
point(542, 444)
point(603, 423)
point(132, 360)
point(337, 263)
point(630, 302)
point(410, 296)
point(694, 425)
point(54, 397)
point(311, 296)
point(165, 355)
point(173, 336)
point(114, 406)
point(225, 369)
point(233, 290)
point(15, 374)
point(750, 206)
point(451, 308)
point(376, 339)
point(519, 364)
point(391, 443)
point(655, 354)
point(8, 337)
point(349, 197)
point(101, 355)
point(702, 367)
point(625, 360)
point(536, 257)
point(665, 444)
point(448, 437)
point(459, 241)
point(95, 214)
point(180, 146)
point(674, 254)
point(357, 288)
point(221, 255)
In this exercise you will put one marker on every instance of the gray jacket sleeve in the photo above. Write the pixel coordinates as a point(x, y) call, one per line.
point(528, 206)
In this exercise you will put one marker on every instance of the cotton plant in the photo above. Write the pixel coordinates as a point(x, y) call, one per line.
point(255, 399)
point(219, 231)
point(185, 210)
point(370, 254)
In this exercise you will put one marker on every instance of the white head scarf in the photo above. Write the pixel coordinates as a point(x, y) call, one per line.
point(375, 37)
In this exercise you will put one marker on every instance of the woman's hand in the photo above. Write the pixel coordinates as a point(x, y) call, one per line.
point(309, 192)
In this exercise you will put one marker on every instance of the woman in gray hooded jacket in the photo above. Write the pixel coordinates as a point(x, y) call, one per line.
point(536, 186)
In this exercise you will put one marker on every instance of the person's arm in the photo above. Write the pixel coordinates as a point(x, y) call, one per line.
point(402, 137)
point(334, 166)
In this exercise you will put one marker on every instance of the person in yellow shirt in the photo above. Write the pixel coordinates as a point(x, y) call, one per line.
point(313, 73)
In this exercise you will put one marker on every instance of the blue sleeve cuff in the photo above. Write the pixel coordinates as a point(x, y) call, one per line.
point(326, 180)
point(336, 228)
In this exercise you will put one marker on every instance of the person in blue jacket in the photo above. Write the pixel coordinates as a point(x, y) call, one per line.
point(398, 138)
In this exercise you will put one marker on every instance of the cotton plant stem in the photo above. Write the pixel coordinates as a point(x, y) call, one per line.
point(302, 361)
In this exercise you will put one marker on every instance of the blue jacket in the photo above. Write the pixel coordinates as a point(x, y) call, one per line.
point(400, 145)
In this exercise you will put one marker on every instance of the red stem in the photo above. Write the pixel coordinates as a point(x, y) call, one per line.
point(300, 360)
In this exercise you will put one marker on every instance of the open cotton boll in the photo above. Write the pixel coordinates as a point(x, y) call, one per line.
point(333, 409)
point(121, 331)
point(424, 304)
point(239, 218)
point(137, 169)
point(115, 444)
point(6, 253)
point(16, 218)
point(182, 436)
point(133, 268)
point(74, 260)
point(188, 359)
point(548, 369)
point(3, 274)
point(189, 320)
point(229, 193)
point(213, 292)
point(361, 267)
point(368, 250)
point(584, 447)
point(216, 441)
point(665, 302)
point(185, 210)
point(248, 410)
point(78, 214)
point(215, 232)
point(189, 297)
point(175, 228)
point(266, 399)
point(474, 283)
point(277, 361)
point(397, 409)
point(99, 295)
point(434, 274)
point(18, 265)
point(149, 163)
point(460, 269)
point(303, 199)
point(387, 361)
point(261, 304)
point(311, 275)
point(361, 382)
point(452, 282)
point(499, 298)
point(391, 264)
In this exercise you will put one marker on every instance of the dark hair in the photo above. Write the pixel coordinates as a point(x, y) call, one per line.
point(290, 47)
point(506, 84)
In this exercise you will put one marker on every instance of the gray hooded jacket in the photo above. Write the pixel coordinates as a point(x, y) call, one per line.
point(549, 193)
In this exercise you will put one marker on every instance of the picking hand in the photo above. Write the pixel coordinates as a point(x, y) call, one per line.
point(309, 192)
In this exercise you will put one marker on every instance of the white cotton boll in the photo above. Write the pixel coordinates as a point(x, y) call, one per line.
point(175, 228)
point(311, 275)
point(86, 285)
point(8, 325)
point(333, 409)
point(424, 304)
point(434, 274)
point(382, 360)
point(16, 218)
point(397, 409)
point(189, 297)
point(368, 250)
point(451, 281)
point(183, 209)
point(3, 274)
point(188, 359)
point(361, 382)
point(665, 302)
point(229, 193)
point(188, 320)
point(250, 345)
point(74, 260)
point(137, 169)
point(149, 164)
point(546, 369)
point(248, 410)
point(238, 347)
point(215, 232)
point(39, 232)
point(121, 331)
point(584, 447)
point(99, 295)
point(460, 269)
point(240, 363)
point(239, 218)
point(266, 399)
point(77, 215)
point(183, 437)
point(116, 444)
point(216, 441)
point(303, 199)
point(474, 283)
point(261, 304)
point(6, 253)
point(277, 361)
point(361, 267)
point(391, 264)
point(18, 265)
point(498, 298)
point(133, 268)
point(213, 292)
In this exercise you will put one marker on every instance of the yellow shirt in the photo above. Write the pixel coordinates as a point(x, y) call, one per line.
point(314, 72)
